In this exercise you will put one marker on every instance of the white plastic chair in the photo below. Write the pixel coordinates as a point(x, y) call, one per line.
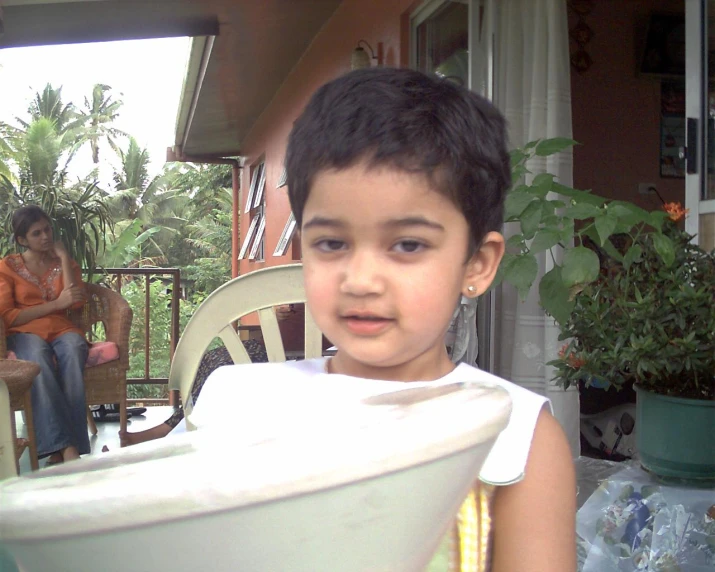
point(258, 291)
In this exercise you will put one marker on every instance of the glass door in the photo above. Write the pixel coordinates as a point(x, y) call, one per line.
point(454, 39)
point(700, 123)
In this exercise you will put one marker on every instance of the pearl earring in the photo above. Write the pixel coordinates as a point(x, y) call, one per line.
point(471, 289)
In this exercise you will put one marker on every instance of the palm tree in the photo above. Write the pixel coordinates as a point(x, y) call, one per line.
point(39, 154)
point(210, 240)
point(153, 201)
point(6, 151)
point(98, 114)
point(48, 104)
point(212, 234)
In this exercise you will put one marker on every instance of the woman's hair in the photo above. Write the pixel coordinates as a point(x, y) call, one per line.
point(407, 120)
point(24, 217)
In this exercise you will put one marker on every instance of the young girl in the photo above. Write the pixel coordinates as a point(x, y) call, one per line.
point(35, 289)
point(397, 182)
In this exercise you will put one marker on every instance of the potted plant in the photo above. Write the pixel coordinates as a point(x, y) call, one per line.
point(651, 321)
point(635, 301)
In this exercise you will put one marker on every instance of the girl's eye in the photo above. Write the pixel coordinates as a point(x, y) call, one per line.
point(330, 245)
point(409, 246)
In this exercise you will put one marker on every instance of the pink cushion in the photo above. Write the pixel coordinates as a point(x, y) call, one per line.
point(99, 353)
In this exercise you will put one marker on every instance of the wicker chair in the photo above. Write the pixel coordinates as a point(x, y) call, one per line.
point(105, 383)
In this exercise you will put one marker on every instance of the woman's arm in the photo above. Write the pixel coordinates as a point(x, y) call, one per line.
point(534, 521)
point(11, 314)
point(28, 314)
point(72, 294)
point(71, 276)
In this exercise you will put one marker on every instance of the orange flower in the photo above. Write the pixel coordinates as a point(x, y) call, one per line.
point(571, 359)
point(675, 211)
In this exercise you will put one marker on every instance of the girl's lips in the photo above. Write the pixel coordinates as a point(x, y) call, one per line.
point(366, 326)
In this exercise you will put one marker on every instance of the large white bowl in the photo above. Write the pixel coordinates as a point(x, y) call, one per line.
point(375, 493)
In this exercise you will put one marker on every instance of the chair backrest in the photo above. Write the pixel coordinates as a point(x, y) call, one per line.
point(260, 292)
point(97, 308)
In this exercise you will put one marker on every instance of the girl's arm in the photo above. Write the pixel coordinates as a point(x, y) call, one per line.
point(534, 521)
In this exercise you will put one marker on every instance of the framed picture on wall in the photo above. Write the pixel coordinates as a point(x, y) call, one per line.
point(664, 50)
point(672, 129)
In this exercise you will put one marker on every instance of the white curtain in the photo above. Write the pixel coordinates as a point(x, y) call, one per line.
point(533, 90)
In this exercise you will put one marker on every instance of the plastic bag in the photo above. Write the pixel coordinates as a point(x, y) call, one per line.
point(633, 523)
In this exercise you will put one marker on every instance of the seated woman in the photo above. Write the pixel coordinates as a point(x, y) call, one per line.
point(36, 287)
point(210, 361)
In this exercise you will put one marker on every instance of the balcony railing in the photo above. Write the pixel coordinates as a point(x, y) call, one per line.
point(171, 277)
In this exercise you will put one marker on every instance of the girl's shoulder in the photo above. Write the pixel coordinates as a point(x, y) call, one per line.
point(506, 463)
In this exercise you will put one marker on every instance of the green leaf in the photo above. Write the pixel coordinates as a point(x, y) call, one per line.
point(633, 255)
point(581, 211)
point(577, 195)
point(548, 147)
point(531, 219)
point(605, 225)
point(507, 261)
point(544, 240)
point(567, 232)
point(581, 266)
point(515, 241)
point(542, 179)
point(515, 204)
point(542, 184)
point(612, 251)
point(518, 171)
point(628, 213)
point(522, 273)
point(664, 247)
point(657, 218)
point(554, 296)
point(638, 295)
point(516, 156)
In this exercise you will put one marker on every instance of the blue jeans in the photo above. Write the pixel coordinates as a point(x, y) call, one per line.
point(59, 407)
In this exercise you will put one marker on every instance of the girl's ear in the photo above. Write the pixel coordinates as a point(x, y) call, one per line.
point(483, 265)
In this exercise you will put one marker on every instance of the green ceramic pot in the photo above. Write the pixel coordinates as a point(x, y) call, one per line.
point(676, 437)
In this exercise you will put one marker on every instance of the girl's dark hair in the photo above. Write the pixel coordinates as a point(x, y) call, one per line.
point(411, 121)
point(24, 217)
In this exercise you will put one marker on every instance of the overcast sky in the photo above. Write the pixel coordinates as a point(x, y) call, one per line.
point(146, 75)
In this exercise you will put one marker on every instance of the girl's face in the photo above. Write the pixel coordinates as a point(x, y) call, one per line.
point(38, 237)
point(384, 264)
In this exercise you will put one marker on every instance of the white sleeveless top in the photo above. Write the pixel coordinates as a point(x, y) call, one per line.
point(276, 397)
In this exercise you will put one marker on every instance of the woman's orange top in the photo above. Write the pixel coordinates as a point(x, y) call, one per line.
point(21, 289)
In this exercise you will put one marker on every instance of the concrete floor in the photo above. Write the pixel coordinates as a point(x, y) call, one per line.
point(106, 432)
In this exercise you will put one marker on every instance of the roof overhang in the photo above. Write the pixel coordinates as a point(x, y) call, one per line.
point(47, 22)
point(232, 78)
point(242, 52)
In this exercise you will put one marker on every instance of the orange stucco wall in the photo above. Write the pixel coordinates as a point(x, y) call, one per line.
point(380, 23)
point(616, 112)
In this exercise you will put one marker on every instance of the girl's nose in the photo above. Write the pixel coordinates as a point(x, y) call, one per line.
point(362, 275)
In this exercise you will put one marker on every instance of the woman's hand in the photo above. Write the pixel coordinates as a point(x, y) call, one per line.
point(60, 251)
point(69, 296)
